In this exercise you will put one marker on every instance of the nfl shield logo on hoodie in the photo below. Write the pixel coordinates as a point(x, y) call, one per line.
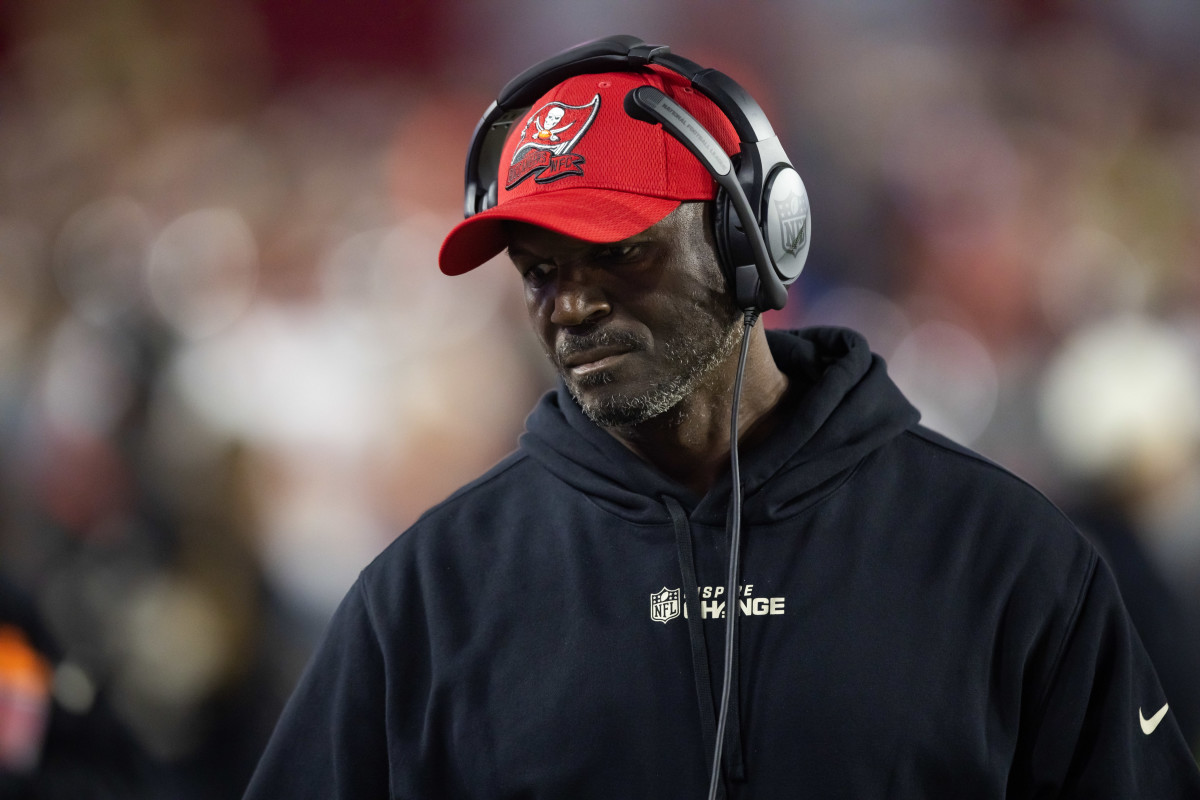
point(664, 605)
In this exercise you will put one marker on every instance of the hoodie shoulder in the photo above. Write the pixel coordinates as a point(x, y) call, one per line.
point(976, 466)
point(459, 528)
point(990, 509)
point(510, 471)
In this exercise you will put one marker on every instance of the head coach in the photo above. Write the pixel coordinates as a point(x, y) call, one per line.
point(723, 561)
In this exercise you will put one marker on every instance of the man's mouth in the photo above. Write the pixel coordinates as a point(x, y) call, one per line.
point(592, 353)
point(594, 360)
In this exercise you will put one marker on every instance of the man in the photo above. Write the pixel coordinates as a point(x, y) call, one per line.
point(914, 621)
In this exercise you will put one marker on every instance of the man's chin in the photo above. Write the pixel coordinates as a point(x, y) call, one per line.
point(610, 407)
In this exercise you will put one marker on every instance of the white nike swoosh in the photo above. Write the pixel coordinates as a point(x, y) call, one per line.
point(1148, 725)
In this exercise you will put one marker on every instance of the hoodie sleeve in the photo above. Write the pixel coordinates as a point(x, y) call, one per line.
point(330, 742)
point(1106, 729)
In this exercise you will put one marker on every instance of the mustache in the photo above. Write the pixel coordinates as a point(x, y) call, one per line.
point(570, 344)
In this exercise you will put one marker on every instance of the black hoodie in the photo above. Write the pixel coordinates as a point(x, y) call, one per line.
point(916, 623)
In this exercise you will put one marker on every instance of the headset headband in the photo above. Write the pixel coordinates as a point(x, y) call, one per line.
point(610, 54)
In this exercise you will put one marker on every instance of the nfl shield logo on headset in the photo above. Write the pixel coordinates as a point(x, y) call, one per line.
point(792, 214)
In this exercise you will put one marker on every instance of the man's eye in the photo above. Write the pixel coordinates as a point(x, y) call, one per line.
point(538, 274)
point(619, 253)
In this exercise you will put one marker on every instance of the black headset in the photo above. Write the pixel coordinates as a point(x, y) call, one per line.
point(762, 222)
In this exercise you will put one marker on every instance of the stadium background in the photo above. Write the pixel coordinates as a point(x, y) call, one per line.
point(230, 371)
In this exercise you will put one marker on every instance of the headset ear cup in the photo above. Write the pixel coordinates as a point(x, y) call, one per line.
point(729, 238)
point(735, 254)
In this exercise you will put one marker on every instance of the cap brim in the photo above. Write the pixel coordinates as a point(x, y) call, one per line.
point(593, 215)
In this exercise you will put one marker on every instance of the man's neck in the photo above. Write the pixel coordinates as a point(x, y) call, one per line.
point(690, 443)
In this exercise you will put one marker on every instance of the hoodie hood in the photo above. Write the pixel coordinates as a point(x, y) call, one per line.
point(841, 406)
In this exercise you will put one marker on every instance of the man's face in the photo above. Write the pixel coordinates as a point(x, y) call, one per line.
point(633, 327)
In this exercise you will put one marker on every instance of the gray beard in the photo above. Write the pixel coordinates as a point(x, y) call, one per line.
point(695, 356)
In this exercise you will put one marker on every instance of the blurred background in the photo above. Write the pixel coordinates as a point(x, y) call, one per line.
point(231, 373)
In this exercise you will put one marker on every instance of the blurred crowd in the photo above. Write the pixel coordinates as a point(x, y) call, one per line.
point(230, 371)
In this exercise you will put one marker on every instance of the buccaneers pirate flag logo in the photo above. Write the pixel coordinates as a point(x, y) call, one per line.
point(549, 136)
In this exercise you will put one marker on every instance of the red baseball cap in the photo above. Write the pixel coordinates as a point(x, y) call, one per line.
point(580, 166)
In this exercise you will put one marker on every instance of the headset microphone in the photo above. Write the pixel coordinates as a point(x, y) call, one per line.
point(651, 105)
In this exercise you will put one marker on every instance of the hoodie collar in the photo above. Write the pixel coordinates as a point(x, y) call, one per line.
point(840, 407)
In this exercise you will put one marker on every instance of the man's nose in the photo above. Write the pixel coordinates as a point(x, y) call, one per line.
point(578, 301)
